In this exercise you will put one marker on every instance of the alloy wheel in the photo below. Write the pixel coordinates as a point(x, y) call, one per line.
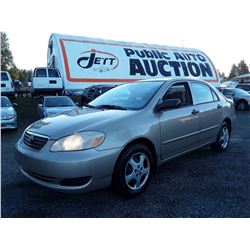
point(137, 171)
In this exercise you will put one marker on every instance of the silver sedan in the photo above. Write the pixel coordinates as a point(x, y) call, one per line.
point(8, 114)
point(54, 105)
point(124, 135)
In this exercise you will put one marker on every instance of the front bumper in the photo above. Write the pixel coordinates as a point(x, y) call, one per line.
point(67, 171)
point(9, 124)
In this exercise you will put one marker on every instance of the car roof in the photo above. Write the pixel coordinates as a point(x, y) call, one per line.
point(173, 79)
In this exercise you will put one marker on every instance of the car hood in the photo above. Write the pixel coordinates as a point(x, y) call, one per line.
point(76, 120)
point(57, 110)
point(7, 111)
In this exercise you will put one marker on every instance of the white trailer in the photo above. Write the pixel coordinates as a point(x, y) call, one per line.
point(84, 61)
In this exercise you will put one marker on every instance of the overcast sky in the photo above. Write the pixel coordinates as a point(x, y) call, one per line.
point(219, 28)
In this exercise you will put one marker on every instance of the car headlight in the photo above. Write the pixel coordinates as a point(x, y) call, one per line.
point(8, 117)
point(79, 141)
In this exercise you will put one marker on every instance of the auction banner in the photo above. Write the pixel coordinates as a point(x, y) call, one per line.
point(100, 61)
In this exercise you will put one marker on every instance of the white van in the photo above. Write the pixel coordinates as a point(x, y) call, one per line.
point(7, 88)
point(84, 62)
point(46, 81)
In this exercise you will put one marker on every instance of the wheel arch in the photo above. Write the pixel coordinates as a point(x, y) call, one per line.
point(146, 142)
point(229, 122)
point(241, 100)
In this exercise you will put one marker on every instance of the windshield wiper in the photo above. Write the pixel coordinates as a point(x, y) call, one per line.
point(108, 106)
point(89, 106)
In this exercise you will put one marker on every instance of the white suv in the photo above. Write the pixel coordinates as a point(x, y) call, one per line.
point(7, 87)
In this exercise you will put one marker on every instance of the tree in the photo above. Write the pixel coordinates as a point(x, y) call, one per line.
point(233, 72)
point(14, 72)
point(24, 76)
point(221, 75)
point(242, 68)
point(6, 55)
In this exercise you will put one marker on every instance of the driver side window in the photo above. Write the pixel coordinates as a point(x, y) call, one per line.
point(180, 91)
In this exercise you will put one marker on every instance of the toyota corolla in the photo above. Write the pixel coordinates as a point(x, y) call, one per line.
point(123, 136)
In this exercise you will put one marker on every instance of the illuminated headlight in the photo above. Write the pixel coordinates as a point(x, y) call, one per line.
point(79, 141)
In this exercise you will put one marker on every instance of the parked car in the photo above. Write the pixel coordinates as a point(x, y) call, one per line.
point(240, 97)
point(7, 88)
point(124, 135)
point(46, 81)
point(54, 105)
point(245, 87)
point(97, 90)
point(8, 114)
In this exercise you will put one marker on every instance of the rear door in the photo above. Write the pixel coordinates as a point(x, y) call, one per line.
point(180, 126)
point(54, 81)
point(40, 78)
point(210, 110)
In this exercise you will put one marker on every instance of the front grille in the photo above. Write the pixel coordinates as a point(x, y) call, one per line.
point(34, 141)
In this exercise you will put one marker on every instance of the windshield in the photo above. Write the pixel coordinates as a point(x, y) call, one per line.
point(129, 96)
point(240, 92)
point(4, 76)
point(61, 101)
point(5, 102)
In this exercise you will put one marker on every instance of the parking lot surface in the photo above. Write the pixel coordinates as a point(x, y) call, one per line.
point(201, 184)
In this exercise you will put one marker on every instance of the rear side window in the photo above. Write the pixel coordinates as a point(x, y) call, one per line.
point(4, 76)
point(202, 93)
point(53, 73)
point(41, 73)
point(215, 96)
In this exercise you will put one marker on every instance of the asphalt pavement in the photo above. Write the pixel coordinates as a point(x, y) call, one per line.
point(201, 184)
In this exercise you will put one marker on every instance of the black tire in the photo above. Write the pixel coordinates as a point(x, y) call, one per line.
point(221, 145)
point(142, 172)
point(242, 105)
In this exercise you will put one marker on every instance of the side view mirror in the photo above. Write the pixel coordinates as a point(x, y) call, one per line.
point(230, 94)
point(40, 105)
point(77, 103)
point(14, 104)
point(167, 104)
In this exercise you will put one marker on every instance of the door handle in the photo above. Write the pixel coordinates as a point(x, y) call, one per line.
point(195, 112)
point(219, 106)
point(52, 81)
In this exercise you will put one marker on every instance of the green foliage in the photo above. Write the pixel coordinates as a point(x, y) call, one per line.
point(6, 55)
point(14, 73)
point(242, 68)
point(24, 76)
point(233, 72)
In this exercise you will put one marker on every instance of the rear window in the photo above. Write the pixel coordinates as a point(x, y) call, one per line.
point(41, 73)
point(53, 73)
point(4, 76)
